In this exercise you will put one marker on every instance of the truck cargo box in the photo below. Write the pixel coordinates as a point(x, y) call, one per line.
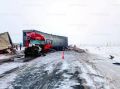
point(5, 41)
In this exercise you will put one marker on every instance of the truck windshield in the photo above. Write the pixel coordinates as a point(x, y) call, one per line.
point(37, 42)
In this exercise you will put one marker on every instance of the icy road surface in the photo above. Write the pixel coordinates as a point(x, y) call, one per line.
point(52, 72)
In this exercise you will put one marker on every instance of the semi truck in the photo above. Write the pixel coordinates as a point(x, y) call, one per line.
point(39, 43)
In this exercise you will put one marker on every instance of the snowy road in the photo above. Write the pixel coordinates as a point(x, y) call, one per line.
point(52, 72)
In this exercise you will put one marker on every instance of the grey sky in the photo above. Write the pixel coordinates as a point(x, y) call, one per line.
point(83, 21)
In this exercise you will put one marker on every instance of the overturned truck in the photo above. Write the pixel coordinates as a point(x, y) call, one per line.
point(5, 42)
point(42, 41)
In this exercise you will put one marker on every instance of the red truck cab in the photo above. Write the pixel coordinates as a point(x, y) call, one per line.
point(34, 42)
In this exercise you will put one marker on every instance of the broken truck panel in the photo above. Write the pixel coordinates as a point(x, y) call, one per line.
point(5, 41)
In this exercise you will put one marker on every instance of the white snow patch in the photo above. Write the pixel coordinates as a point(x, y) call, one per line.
point(8, 66)
point(87, 77)
point(67, 84)
point(105, 65)
point(64, 65)
point(105, 51)
point(4, 56)
point(5, 82)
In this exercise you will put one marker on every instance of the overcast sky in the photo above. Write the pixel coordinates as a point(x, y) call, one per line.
point(83, 21)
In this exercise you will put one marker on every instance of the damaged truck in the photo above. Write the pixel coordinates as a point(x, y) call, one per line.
point(5, 43)
point(39, 43)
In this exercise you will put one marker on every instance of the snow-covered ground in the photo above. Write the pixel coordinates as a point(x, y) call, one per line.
point(6, 73)
point(4, 56)
point(105, 65)
point(93, 70)
point(6, 81)
point(53, 72)
point(105, 51)
point(9, 66)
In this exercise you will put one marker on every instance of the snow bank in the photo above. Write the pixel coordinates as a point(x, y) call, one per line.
point(105, 65)
point(105, 51)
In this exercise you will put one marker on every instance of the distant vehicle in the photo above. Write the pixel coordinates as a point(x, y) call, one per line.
point(38, 43)
point(5, 42)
